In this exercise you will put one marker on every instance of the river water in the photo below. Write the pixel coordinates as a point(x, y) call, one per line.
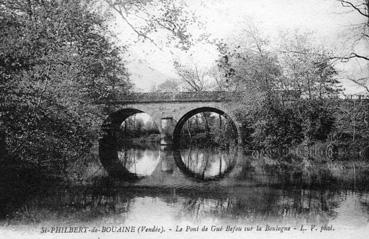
point(183, 192)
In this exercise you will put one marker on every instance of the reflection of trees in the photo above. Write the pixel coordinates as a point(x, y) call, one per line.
point(266, 205)
point(364, 202)
point(253, 205)
point(207, 163)
point(71, 205)
point(129, 157)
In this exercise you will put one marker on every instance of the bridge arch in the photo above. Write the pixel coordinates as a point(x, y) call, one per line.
point(109, 146)
point(178, 127)
point(115, 119)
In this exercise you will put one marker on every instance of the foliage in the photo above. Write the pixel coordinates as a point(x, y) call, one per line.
point(274, 125)
point(317, 118)
point(168, 86)
point(192, 76)
point(148, 18)
point(283, 126)
point(285, 89)
point(247, 69)
point(307, 69)
point(56, 59)
point(352, 122)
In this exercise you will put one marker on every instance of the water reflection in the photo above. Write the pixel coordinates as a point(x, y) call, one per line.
point(199, 163)
point(239, 205)
point(162, 165)
point(140, 162)
point(262, 205)
point(206, 163)
point(247, 191)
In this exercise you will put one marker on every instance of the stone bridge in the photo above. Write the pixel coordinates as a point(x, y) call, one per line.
point(170, 110)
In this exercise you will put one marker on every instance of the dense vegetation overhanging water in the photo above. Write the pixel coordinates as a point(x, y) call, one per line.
point(197, 186)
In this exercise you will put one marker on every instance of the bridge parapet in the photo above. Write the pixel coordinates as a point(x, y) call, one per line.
point(356, 97)
point(160, 97)
point(208, 96)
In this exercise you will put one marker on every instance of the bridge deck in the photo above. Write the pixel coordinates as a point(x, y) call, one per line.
point(204, 96)
point(160, 97)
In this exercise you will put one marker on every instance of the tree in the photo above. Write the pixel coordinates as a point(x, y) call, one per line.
point(248, 66)
point(307, 69)
point(168, 86)
point(275, 126)
point(361, 31)
point(148, 17)
point(193, 77)
point(359, 41)
point(56, 60)
point(264, 75)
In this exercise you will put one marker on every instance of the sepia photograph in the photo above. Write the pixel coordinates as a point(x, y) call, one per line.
point(184, 119)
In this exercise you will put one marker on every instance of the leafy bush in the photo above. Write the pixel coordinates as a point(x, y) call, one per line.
point(56, 60)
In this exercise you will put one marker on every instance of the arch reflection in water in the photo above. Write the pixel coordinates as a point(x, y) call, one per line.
point(128, 144)
point(206, 163)
point(206, 144)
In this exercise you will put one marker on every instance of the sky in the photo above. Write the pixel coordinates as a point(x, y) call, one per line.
point(327, 20)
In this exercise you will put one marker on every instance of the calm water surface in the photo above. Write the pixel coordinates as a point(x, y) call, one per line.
point(203, 187)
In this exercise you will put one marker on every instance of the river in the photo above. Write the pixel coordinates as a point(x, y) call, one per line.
point(226, 190)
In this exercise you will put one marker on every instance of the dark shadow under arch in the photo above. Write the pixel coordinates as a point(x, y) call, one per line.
point(108, 144)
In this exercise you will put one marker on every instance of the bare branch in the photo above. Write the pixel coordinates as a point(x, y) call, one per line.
point(343, 58)
point(351, 56)
point(349, 4)
point(125, 19)
point(359, 56)
point(361, 82)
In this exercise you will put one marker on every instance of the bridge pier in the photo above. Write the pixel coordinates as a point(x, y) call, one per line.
point(166, 158)
point(167, 127)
